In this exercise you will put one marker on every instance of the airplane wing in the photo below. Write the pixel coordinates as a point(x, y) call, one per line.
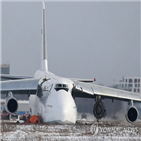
point(12, 77)
point(90, 90)
point(82, 80)
point(22, 86)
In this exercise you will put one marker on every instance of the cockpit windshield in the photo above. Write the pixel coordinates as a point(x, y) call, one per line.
point(61, 87)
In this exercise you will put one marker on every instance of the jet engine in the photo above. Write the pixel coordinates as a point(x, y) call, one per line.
point(99, 110)
point(11, 104)
point(132, 114)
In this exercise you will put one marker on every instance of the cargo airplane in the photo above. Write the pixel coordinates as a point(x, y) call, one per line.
point(51, 98)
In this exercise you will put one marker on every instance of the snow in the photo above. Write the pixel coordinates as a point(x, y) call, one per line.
point(83, 130)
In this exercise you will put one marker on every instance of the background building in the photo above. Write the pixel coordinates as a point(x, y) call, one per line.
point(129, 83)
point(5, 69)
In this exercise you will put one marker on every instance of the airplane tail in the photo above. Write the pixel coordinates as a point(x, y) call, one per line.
point(44, 66)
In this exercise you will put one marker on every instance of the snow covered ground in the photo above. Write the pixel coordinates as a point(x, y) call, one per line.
point(84, 130)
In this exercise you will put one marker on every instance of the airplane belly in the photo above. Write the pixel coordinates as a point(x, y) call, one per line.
point(60, 107)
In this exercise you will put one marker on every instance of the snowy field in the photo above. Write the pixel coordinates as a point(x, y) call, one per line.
point(83, 131)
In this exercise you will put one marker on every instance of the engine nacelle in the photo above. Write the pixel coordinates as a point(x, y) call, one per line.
point(11, 104)
point(132, 114)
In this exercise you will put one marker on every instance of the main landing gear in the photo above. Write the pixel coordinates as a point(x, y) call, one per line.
point(99, 109)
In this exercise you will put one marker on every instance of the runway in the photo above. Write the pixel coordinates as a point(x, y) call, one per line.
point(82, 131)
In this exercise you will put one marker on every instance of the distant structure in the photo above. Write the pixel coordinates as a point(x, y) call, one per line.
point(130, 84)
point(5, 69)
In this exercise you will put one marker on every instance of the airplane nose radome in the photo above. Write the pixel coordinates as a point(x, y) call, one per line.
point(60, 107)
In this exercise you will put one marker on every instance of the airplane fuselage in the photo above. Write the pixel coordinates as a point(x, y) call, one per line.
point(53, 102)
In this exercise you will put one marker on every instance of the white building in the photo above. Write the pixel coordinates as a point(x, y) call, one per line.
point(130, 83)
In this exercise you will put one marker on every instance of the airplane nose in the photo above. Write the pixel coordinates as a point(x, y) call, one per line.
point(60, 107)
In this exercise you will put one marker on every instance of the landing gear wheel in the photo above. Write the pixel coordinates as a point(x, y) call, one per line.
point(99, 110)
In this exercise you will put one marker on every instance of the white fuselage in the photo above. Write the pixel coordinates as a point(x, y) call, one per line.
point(55, 103)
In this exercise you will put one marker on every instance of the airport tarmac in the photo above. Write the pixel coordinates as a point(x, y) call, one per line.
point(82, 131)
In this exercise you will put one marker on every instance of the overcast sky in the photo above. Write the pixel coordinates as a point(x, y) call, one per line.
point(85, 39)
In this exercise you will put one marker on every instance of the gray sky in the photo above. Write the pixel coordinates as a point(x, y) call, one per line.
point(85, 39)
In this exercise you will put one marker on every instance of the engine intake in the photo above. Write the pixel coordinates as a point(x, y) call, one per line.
point(11, 104)
point(132, 114)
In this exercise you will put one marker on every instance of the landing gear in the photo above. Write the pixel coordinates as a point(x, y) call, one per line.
point(99, 109)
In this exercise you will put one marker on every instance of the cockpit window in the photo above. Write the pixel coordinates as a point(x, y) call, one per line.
point(61, 87)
